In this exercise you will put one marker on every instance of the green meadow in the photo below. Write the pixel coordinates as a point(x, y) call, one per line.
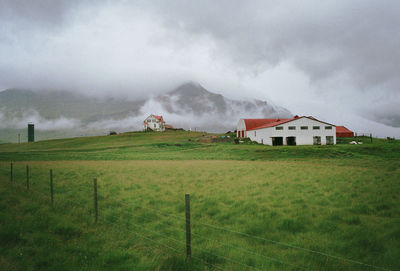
point(253, 207)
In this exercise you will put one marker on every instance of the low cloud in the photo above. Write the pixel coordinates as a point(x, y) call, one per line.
point(20, 120)
point(334, 52)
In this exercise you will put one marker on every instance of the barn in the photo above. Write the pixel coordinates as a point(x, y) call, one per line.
point(155, 123)
point(342, 131)
point(245, 125)
point(295, 131)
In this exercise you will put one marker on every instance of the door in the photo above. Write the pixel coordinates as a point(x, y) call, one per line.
point(291, 141)
point(329, 140)
point(317, 140)
point(277, 141)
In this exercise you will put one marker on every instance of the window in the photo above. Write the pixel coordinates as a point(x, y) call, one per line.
point(279, 128)
point(328, 127)
point(304, 127)
point(315, 127)
point(329, 140)
point(292, 127)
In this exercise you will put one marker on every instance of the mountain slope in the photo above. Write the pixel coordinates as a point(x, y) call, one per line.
point(202, 109)
point(192, 97)
point(189, 106)
point(56, 104)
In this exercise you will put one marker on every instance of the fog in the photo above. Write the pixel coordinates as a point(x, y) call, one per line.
point(336, 60)
point(19, 121)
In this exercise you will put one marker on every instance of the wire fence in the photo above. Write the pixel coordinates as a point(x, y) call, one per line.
point(82, 204)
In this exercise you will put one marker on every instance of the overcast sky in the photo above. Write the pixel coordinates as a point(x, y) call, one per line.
point(336, 60)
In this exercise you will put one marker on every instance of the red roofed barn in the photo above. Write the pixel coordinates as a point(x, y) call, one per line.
point(295, 131)
point(342, 131)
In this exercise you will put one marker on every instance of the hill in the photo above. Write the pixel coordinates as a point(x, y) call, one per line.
point(252, 206)
point(64, 114)
point(183, 145)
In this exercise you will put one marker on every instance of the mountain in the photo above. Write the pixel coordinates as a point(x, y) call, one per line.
point(57, 104)
point(63, 114)
point(210, 111)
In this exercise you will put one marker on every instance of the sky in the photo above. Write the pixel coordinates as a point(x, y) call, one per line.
point(337, 60)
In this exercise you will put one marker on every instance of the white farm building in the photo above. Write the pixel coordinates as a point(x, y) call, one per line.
point(155, 123)
point(295, 131)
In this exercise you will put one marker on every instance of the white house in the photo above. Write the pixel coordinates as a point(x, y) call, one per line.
point(155, 123)
point(295, 131)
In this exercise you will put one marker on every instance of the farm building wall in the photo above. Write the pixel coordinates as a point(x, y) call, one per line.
point(241, 129)
point(302, 136)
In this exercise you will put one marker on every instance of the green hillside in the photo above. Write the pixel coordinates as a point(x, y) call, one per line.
point(182, 145)
point(253, 207)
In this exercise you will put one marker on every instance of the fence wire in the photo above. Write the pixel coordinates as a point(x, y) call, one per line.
point(169, 215)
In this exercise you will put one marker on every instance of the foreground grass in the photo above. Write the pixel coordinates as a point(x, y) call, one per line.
point(347, 208)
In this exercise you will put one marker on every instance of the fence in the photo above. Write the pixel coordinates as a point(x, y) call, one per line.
point(94, 212)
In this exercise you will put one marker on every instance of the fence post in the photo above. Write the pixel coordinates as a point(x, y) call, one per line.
point(51, 187)
point(370, 135)
point(11, 172)
point(27, 177)
point(188, 236)
point(96, 213)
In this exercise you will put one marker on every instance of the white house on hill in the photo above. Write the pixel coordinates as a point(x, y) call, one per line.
point(155, 123)
point(295, 131)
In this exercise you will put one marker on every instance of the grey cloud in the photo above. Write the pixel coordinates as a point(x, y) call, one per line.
point(322, 38)
point(346, 49)
point(36, 14)
point(19, 121)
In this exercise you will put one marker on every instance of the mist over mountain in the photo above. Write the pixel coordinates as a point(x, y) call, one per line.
point(63, 114)
point(192, 106)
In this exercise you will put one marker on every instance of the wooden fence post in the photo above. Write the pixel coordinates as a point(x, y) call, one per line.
point(51, 187)
point(370, 135)
point(11, 172)
point(27, 177)
point(188, 235)
point(96, 212)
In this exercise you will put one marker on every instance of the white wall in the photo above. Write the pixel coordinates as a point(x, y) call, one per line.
point(241, 126)
point(303, 137)
point(154, 124)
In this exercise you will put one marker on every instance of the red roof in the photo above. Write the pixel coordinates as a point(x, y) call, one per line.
point(342, 131)
point(255, 123)
point(276, 122)
point(158, 117)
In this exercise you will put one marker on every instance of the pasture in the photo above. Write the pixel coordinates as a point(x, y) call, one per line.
point(253, 207)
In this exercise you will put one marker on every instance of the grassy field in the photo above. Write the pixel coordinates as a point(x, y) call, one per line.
point(181, 145)
point(253, 207)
